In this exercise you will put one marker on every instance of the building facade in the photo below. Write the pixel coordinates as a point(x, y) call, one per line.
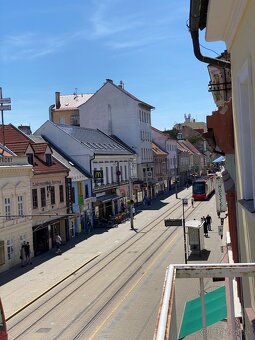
point(16, 209)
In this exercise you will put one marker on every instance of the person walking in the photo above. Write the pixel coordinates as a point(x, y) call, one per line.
point(205, 225)
point(209, 222)
point(28, 253)
point(58, 242)
point(23, 255)
point(192, 202)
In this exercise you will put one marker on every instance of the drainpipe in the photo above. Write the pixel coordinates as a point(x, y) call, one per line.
point(197, 20)
point(212, 61)
point(50, 112)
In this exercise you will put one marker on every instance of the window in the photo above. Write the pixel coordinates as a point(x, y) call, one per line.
point(112, 178)
point(2, 257)
point(48, 159)
point(22, 238)
point(86, 190)
point(121, 176)
point(245, 132)
point(10, 250)
point(61, 193)
point(7, 208)
point(52, 195)
point(73, 195)
point(34, 198)
point(126, 172)
point(107, 175)
point(43, 197)
point(30, 158)
point(20, 206)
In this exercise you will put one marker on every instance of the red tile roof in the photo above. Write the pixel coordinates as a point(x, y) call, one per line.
point(18, 142)
point(40, 147)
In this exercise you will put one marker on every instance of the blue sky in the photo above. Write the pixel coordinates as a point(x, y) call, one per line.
point(63, 45)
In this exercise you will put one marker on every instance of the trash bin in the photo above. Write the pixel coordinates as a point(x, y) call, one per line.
point(195, 231)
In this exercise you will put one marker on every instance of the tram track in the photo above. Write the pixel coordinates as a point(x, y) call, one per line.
point(66, 293)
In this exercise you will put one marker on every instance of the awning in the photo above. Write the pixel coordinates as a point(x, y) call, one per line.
point(216, 310)
point(107, 198)
point(219, 159)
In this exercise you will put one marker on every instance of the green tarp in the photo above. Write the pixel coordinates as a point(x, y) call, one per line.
point(216, 310)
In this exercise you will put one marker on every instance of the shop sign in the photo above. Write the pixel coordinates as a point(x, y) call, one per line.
point(88, 200)
point(173, 223)
point(98, 176)
point(69, 195)
point(220, 195)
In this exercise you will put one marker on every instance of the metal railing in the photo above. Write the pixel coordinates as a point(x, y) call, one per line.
point(166, 327)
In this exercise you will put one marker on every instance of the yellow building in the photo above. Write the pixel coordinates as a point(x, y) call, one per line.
point(66, 108)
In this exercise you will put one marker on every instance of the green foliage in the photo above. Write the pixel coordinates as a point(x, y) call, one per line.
point(172, 133)
point(195, 139)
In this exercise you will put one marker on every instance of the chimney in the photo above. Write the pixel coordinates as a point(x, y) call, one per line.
point(57, 100)
point(121, 84)
point(25, 129)
point(109, 81)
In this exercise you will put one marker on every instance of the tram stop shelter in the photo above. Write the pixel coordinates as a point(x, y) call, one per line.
point(195, 233)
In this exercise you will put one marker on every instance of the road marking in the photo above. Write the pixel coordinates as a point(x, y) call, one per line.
point(133, 287)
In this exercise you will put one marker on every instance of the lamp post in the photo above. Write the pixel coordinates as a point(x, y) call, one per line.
point(184, 202)
point(130, 186)
point(175, 171)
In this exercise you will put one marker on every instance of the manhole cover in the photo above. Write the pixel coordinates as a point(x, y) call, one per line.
point(43, 330)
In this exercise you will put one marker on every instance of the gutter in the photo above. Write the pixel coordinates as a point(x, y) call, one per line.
point(197, 20)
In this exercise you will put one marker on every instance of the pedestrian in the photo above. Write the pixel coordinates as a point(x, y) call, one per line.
point(23, 255)
point(192, 202)
point(205, 227)
point(209, 222)
point(187, 185)
point(28, 253)
point(58, 242)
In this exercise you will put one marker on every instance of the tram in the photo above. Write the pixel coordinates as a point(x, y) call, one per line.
point(3, 328)
point(203, 188)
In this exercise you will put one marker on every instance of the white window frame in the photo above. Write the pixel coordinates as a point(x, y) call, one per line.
point(10, 249)
point(20, 204)
point(246, 133)
point(7, 208)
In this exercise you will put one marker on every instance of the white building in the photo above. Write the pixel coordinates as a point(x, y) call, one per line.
point(15, 207)
point(115, 111)
point(170, 146)
point(110, 163)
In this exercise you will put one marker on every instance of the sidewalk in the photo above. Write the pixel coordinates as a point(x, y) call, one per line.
point(21, 285)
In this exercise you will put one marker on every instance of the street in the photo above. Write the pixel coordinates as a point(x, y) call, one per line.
point(117, 294)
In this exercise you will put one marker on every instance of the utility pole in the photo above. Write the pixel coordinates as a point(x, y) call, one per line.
point(184, 202)
point(3, 108)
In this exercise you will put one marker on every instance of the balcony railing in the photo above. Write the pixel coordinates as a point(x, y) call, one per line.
point(166, 327)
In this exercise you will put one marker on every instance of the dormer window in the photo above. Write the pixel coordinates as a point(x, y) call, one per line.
point(48, 159)
point(30, 158)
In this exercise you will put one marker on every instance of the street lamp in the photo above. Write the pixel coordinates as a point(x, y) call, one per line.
point(175, 171)
point(130, 186)
point(220, 81)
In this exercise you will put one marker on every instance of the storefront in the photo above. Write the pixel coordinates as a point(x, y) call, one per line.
point(44, 234)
